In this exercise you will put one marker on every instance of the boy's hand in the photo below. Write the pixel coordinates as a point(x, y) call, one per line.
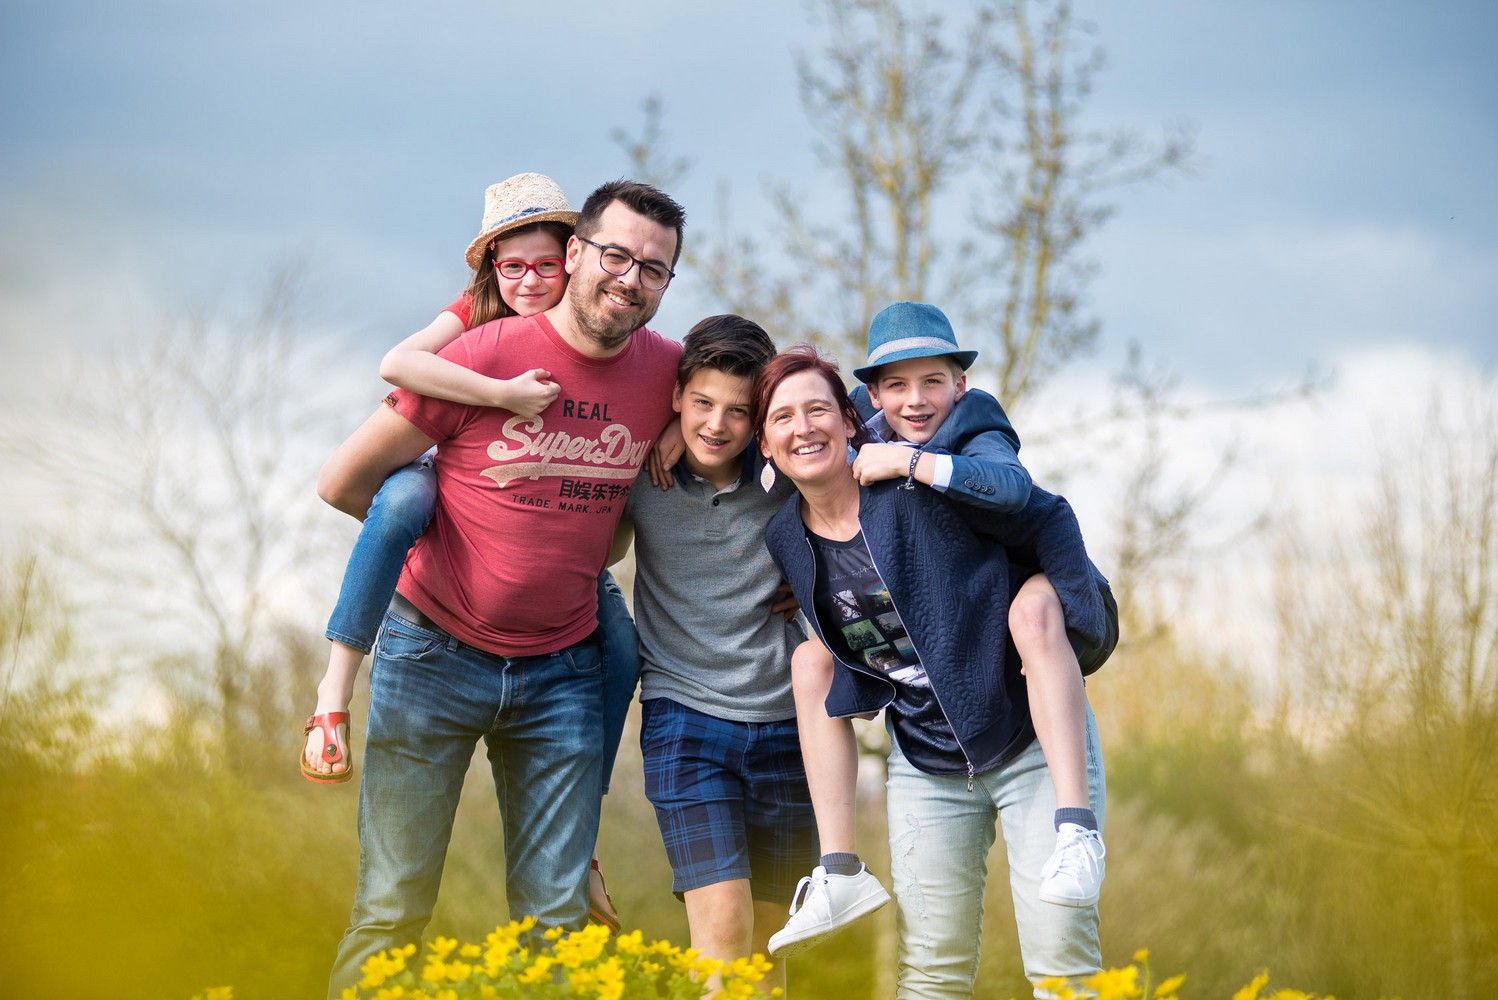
point(529, 393)
point(669, 448)
point(881, 461)
point(786, 604)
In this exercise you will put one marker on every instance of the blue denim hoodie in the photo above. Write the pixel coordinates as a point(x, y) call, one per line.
point(949, 577)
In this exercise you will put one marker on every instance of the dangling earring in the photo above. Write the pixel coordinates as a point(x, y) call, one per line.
point(767, 476)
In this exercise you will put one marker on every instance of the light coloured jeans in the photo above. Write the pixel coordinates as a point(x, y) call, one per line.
point(939, 837)
point(431, 699)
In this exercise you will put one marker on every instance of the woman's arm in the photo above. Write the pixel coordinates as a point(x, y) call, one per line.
point(414, 364)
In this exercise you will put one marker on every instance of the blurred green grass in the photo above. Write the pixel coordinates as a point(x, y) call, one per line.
point(152, 872)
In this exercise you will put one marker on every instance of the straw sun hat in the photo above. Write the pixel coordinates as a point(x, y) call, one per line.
point(519, 201)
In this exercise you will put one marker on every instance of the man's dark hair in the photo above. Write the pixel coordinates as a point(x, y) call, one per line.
point(730, 344)
point(649, 201)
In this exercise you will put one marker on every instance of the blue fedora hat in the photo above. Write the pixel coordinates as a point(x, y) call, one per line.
point(910, 330)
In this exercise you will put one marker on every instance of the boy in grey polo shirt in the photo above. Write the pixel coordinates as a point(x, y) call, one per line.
point(718, 731)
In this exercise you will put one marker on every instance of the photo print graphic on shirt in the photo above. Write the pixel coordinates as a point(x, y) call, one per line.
point(888, 660)
point(890, 624)
point(876, 600)
point(847, 605)
point(861, 635)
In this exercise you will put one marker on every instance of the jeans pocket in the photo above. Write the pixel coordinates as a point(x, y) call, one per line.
point(585, 658)
point(400, 640)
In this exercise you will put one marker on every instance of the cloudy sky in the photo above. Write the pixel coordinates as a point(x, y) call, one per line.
point(164, 150)
point(165, 153)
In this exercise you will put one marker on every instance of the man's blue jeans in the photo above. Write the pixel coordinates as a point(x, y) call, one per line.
point(939, 837)
point(431, 699)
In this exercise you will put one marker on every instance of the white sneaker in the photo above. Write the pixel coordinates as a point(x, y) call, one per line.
point(825, 903)
point(1074, 873)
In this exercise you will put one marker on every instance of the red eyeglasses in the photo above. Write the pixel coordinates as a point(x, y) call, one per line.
point(546, 267)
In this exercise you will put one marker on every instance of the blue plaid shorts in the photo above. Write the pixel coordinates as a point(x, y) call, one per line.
point(731, 799)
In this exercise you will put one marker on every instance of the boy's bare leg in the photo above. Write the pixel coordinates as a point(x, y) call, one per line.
point(726, 923)
point(1058, 705)
point(1058, 708)
point(829, 749)
point(840, 889)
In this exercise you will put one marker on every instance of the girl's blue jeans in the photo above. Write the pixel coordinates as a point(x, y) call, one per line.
point(401, 511)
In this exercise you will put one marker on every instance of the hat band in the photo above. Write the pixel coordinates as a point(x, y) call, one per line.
point(910, 344)
point(519, 215)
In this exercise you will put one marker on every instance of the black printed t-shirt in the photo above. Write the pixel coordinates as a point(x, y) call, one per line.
point(863, 627)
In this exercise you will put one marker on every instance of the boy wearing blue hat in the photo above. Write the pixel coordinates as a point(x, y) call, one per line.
point(929, 428)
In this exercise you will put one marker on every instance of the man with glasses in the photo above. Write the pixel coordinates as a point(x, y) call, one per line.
point(492, 630)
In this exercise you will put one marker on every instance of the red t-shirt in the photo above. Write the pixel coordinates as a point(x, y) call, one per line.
point(462, 308)
point(527, 507)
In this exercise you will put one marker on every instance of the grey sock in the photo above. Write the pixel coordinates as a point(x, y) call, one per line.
point(841, 863)
point(1082, 817)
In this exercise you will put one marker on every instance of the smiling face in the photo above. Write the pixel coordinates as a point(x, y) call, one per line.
point(607, 308)
point(918, 395)
point(805, 434)
point(714, 408)
point(532, 293)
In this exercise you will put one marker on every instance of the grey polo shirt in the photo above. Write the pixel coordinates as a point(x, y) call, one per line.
point(704, 583)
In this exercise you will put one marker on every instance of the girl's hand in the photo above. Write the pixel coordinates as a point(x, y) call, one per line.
point(527, 394)
point(669, 448)
point(881, 461)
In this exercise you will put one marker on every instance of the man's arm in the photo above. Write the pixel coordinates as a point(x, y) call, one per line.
point(355, 472)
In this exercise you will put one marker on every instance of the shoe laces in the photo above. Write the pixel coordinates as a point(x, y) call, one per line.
point(805, 890)
point(1080, 853)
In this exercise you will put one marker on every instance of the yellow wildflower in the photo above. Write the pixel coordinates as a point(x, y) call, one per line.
point(1251, 991)
point(470, 951)
point(1115, 984)
point(381, 966)
point(754, 968)
point(582, 981)
point(1169, 987)
point(443, 946)
point(1142, 955)
point(582, 946)
point(459, 971)
point(630, 944)
point(1059, 985)
point(537, 971)
point(436, 970)
point(554, 932)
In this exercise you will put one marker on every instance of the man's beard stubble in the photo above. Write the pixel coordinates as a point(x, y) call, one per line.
point(607, 330)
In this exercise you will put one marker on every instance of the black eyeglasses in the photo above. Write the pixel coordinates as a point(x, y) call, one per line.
point(617, 261)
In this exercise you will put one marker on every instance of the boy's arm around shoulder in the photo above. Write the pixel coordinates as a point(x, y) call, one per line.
point(984, 451)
